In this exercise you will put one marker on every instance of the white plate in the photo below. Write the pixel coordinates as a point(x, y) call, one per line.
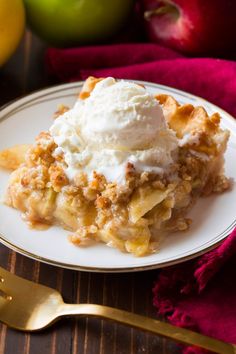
point(213, 217)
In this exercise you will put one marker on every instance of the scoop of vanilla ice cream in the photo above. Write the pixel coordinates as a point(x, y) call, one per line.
point(121, 114)
point(119, 122)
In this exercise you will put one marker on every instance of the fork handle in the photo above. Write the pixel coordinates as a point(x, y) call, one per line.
point(149, 324)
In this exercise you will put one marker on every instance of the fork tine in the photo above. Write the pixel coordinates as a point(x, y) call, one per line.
point(3, 280)
point(14, 285)
point(9, 279)
point(11, 283)
point(5, 274)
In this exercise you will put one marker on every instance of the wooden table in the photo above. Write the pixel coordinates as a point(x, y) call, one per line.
point(133, 291)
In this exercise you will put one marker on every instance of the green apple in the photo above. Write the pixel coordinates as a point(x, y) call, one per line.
point(71, 22)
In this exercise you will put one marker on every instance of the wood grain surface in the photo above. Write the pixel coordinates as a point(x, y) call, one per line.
point(24, 73)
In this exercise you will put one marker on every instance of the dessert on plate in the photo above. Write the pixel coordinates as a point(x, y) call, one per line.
point(122, 167)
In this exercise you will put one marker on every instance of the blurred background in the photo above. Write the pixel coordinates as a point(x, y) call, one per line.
point(195, 28)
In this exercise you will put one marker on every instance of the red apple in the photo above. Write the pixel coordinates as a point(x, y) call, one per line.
point(205, 27)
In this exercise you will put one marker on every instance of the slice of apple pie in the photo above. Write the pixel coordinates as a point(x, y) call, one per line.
point(122, 167)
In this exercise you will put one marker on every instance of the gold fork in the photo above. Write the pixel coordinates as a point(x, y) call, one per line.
point(28, 306)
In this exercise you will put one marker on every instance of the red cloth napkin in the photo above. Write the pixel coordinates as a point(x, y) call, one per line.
point(199, 294)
